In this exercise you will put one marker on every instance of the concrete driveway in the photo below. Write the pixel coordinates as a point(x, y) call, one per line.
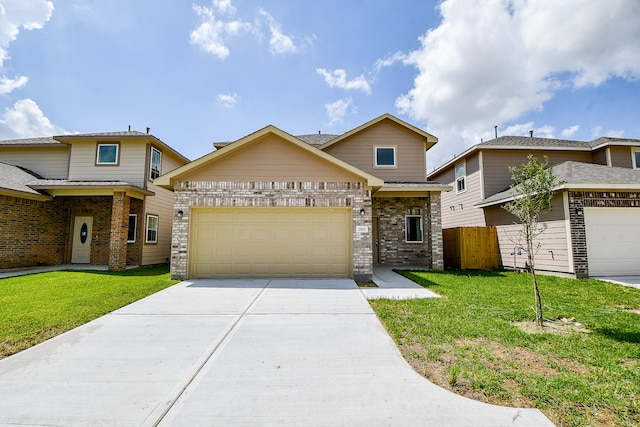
point(250, 352)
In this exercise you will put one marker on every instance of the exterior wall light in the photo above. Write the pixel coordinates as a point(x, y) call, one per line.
point(362, 212)
point(179, 214)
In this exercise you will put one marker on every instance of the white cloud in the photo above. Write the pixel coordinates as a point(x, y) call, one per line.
point(212, 33)
point(491, 61)
point(338, 110)
point(338, 78)
point(389, 61)
point(570, 131)
point(279, 43)
point(597, 132)
point(26, 120)
point(16, 14)
point(228, 100)
point(8, 85)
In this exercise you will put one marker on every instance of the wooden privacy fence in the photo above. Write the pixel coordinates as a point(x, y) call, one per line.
point(471, 248)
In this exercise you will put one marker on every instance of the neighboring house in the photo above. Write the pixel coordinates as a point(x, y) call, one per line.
point(275, 205)
point(594, 227)
point(86, 199)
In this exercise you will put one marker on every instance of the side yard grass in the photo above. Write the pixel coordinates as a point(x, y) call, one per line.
point(37, 307)
point(583, 372)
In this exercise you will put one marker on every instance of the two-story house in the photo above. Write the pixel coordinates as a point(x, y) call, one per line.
point(274, 205)
point(594, 228)
point(85, 199)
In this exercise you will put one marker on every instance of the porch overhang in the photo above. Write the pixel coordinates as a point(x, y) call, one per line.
point(410, 189)
point(58, 188)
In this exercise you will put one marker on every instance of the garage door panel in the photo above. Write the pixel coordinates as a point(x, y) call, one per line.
point(270, 242)
point(613, 236)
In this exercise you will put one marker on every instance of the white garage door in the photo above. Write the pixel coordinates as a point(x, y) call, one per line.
point(613, 241)
point(270, 242)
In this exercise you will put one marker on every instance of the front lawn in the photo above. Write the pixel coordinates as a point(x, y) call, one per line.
point(585, 371)
point(36, 307)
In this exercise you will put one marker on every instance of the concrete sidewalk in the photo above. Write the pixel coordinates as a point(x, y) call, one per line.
point(234, 352)
point(392, 285)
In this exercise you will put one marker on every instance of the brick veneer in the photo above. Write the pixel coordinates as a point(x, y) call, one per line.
point(32, 232)
point(394, 250)
point(578, 200)
point(119, 228)
point(134, 250)
point(276, 194)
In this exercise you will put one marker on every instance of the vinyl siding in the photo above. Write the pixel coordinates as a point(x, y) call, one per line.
point(497, 177)
point(161, 205)
point(270, 158)
point(554, 249)
point(458, 209)
point(357, 150)
point(131, 167)
point(48, 162)
point(621, 157)
point(599, 157)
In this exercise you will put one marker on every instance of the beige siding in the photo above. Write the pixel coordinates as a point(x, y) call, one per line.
point(270, 158)
point(48, 162)
point(410, 151)
point(554, 248)
point(458, 209)
point(131, 168)
point(599, 157)
point(162, 205)
point(496, 164)
point(621, 157)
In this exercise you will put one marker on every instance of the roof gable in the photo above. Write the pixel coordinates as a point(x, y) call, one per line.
point(429, 139)
point(281, 155)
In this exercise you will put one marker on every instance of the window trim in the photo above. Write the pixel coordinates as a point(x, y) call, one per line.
point(395, 157)
point(151, 177)
point(633, 158)
point(135, 227)
point(108, 144)
point(406, 229)
point(147, 229)
point(462, 179)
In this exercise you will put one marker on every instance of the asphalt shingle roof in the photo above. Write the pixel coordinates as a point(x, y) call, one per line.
point(578, 173)
point(317, 138)
point(31, 141)
point(16, 179)
point(525, 141)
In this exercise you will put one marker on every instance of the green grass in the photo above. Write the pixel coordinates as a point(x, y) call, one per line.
point(468, 342)
point(39, 306)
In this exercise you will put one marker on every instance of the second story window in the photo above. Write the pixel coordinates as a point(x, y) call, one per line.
point(156, 163)
point(635, 157)
point(107, 154)
point(385, 157)
point(461, 178)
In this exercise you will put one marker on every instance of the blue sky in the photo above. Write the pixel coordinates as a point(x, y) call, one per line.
point(201, 71)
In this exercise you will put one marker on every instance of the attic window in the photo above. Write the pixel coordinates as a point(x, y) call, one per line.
point(461, 178)
point(385, 157)
point(107, 154)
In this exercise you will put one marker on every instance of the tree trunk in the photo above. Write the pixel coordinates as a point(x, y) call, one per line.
point(532, 269)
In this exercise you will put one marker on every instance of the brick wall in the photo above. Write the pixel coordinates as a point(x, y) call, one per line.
point(277, 194)
point(119, 229)
point(32, 232)
point(394, 250)
point(134, 250)
point(99, 207)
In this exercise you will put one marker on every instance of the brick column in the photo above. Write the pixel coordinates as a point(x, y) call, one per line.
point(119, 231)
point(578, 235)
point(437, 246)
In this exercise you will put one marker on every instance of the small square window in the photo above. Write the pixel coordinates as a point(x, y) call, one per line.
point(152, 229)
point(413, 228)
point(636, 158)
point(385, 157)
point(461, 178)
point(156, 163)
point(133, 222)
point(107, 154)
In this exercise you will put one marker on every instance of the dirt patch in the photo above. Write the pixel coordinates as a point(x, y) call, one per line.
point(561, 326)
point(632, 310)
point(367, 285)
